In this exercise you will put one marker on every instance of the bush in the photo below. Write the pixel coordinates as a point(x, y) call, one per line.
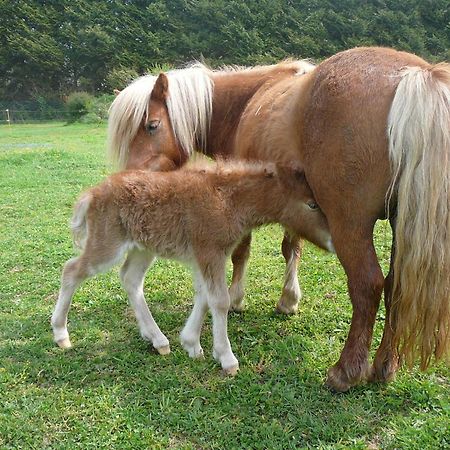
point(156, 69)
point(120, 78)
point(98, 109)
point(78, 105)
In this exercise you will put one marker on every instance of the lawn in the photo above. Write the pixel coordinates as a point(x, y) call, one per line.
point(111, 391)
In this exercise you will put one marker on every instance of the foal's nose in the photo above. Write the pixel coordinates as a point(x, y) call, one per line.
point(329, 246)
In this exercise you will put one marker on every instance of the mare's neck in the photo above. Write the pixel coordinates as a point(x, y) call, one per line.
point(232, 92)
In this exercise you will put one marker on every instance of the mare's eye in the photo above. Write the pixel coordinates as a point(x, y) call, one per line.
point(312, 204)
point(152, 126)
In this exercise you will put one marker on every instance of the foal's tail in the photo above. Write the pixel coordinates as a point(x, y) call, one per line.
point(419, 147)
point(78, 224)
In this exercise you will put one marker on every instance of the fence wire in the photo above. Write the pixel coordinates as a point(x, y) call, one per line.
point(10, 116)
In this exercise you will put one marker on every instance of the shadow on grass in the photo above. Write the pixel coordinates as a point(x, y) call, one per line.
point(276, 401)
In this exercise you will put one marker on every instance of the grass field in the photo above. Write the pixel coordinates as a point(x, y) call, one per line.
point(111, 391)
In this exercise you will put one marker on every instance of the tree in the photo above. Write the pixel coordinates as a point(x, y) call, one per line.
point(54, 47)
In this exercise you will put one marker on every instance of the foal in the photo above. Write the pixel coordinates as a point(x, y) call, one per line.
point(196, 215)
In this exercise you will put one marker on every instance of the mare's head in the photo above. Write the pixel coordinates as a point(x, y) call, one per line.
point(301, 214)
point(157, 122)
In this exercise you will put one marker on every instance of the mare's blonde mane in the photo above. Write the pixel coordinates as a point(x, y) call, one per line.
point(189, 105)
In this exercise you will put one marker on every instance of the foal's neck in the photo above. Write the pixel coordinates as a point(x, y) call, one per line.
point(257, 202)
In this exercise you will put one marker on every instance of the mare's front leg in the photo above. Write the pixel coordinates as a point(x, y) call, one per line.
point(239, 258)
point(132, 275)
point(354, 247)
point(291, 294)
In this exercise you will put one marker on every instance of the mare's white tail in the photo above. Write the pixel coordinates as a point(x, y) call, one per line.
point(419, 148)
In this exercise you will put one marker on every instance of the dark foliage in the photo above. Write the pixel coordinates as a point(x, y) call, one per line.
point(50, 48)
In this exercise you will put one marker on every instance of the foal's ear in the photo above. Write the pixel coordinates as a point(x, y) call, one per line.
point(116, 92)
point(269, 171)
point(299, 174)
point(293, 175)
point(161, 88)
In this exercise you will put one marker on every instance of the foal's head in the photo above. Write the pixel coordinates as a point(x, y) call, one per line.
point(301, 213)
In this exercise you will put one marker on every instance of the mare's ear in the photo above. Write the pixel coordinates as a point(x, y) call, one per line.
point(161, 88)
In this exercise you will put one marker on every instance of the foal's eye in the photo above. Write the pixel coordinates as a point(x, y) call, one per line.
point(312, 204)
point(152, 126)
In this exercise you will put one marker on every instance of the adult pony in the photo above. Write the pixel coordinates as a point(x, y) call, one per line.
point(371, 127)
point(149, 129)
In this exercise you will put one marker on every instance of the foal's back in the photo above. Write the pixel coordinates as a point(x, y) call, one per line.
point(171, 212)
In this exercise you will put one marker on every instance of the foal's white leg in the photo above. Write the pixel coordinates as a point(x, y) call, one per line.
point(70, 280)
point(94, 259)
point(190, 335)
point(212, 293)
point(219, 304)
point(132, 275)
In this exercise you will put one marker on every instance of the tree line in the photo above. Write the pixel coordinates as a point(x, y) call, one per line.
point(50, 48)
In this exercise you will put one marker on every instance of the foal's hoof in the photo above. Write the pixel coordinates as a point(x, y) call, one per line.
point(64, 343)
point(196, 353)
point(230, 371)
point(237, 308)
point(287, 310)
point(165, 350)
point(194, 350)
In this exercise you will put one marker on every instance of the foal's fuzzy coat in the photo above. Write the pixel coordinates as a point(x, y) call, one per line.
point(196, 215)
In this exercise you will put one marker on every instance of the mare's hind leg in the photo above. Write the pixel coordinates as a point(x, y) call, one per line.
point(291, 295)
point(132, 275)
point(239, 258)
point(354, 247)
point(386, 360)
point(75, 271)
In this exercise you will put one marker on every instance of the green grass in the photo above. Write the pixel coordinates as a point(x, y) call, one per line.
point(111, 391)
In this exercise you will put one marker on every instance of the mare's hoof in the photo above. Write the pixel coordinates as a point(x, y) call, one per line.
point(64, 343)
point(383, 374)
point(165, 350)
point(230, 371)
point(337, 381)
